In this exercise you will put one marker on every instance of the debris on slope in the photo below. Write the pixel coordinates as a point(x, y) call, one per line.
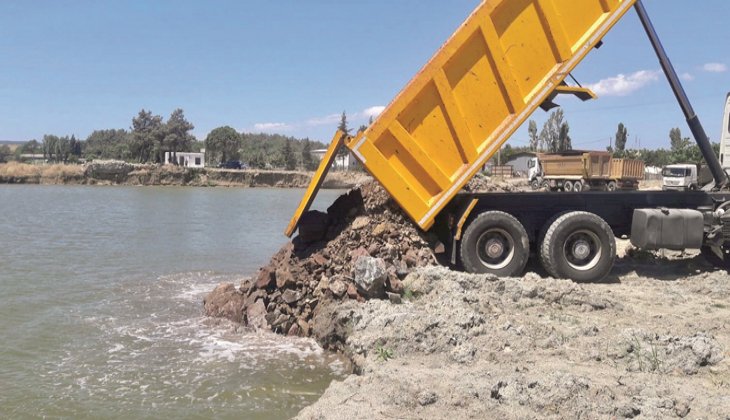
point(360, 249)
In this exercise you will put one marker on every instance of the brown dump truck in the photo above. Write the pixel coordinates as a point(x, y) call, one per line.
point(584, 170)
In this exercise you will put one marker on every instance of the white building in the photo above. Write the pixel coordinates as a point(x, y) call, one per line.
point(187, 159)
point(341, 162)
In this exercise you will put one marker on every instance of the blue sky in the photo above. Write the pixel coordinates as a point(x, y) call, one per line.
point(69, 67)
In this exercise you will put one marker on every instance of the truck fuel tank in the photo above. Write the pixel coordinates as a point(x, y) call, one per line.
point(675, 229)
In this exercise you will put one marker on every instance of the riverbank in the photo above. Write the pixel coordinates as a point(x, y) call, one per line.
point(427, 342)
point(122, 173)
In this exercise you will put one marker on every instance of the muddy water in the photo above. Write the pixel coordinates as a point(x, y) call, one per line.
point(101, 305)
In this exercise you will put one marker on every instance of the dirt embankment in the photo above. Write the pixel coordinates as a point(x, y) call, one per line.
point(427, 342)
point(122, 173)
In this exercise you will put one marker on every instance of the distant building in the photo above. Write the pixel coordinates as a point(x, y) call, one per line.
point(519, 163)
point(187, 159)
point(342, 162)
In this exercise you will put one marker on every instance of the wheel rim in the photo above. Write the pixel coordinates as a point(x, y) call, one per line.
point(578, 187)
point(496, 248)
point(568, 186)
point(612, 186)
point(582, 250)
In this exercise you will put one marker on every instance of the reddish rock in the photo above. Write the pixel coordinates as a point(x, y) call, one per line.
point(313, 226)
point(319, 259)
point(294, 330)
point(352, 291)
point(265, 278)
point(359, 252)
point(284, 278)
point(225, 301)
point(395, 285)
point(290, 296)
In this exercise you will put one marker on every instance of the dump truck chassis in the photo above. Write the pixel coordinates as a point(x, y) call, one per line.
point(573, 234)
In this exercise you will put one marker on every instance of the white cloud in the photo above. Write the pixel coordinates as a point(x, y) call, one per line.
point(623, 85)
point(715, 67)
point(687, 76)
point(373, 111)
point(326, 120)
point(271, 127)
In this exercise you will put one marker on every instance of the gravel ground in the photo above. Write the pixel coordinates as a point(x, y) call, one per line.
point(651, 342)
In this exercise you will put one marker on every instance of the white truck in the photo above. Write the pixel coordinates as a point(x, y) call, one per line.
point(681, 177)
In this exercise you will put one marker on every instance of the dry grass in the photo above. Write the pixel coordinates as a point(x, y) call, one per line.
point(24, 170)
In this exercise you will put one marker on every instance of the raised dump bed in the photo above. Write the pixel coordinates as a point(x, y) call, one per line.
point(508, 58)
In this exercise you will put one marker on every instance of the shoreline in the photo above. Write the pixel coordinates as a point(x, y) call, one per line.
point(121, 173)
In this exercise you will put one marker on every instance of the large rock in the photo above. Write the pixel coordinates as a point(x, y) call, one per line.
point(370, 275)
point(313, 226)
point(225, 301)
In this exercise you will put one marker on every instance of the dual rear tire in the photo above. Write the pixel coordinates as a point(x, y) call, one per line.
point(577, 245)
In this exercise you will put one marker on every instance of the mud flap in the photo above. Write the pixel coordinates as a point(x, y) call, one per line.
point(324, 167)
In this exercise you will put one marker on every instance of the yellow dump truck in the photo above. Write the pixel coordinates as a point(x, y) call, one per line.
point(507, 59)
point(578, 170)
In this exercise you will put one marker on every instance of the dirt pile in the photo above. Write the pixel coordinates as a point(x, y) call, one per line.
point(483, 183)
point(464, 345)
point(360, 249)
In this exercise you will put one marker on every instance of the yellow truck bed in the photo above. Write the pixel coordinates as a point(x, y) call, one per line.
point(505, 60)
point(627, 169)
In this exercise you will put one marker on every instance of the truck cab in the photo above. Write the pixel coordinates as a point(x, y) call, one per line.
point(681, 177)
point(534, 173)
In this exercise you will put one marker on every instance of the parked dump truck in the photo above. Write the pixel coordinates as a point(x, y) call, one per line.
point(506, 60)
point(578, 170)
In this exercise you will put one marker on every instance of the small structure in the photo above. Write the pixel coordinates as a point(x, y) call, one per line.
point(186, 159)
point(519, 163)
point(342, 161)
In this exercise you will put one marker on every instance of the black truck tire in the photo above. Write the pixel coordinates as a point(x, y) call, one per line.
point(612, 186)
point(578, 186)
point(495, 243)
point(714, 259)
point(568, 186)
point(579, 246)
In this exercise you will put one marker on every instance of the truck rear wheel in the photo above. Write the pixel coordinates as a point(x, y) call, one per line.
point(578, 186)
point(495, 243)
point(612, 186)
point(579, 246)
point(568, 186)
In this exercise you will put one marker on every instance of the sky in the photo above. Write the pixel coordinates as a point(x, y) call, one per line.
point(292, 67)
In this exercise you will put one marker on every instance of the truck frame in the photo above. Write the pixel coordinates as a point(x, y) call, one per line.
point(507, 59)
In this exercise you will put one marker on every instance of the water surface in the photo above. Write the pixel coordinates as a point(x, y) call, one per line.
point(101, 304)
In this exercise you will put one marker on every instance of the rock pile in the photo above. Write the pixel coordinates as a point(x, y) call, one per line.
point(360, 249)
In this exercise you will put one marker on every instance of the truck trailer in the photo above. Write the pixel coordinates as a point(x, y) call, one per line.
point(507, 59)
point(577, 170)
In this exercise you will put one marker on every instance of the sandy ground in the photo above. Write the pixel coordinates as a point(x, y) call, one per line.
point(651, 342)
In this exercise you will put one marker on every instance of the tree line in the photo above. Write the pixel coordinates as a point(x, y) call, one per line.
point(150, 137)
point(554, 138)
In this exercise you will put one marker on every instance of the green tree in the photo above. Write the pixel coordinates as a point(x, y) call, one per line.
point(622, 135)
point(5, 153)
point(49, 147)
point(307, 160)
point(343, 124)
point(289, 158)
point(148, 134)
point(222, 144)
point(532, 133)
point(564, 140)
point(554, 135)
point(177, 133)
point(108, 144)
